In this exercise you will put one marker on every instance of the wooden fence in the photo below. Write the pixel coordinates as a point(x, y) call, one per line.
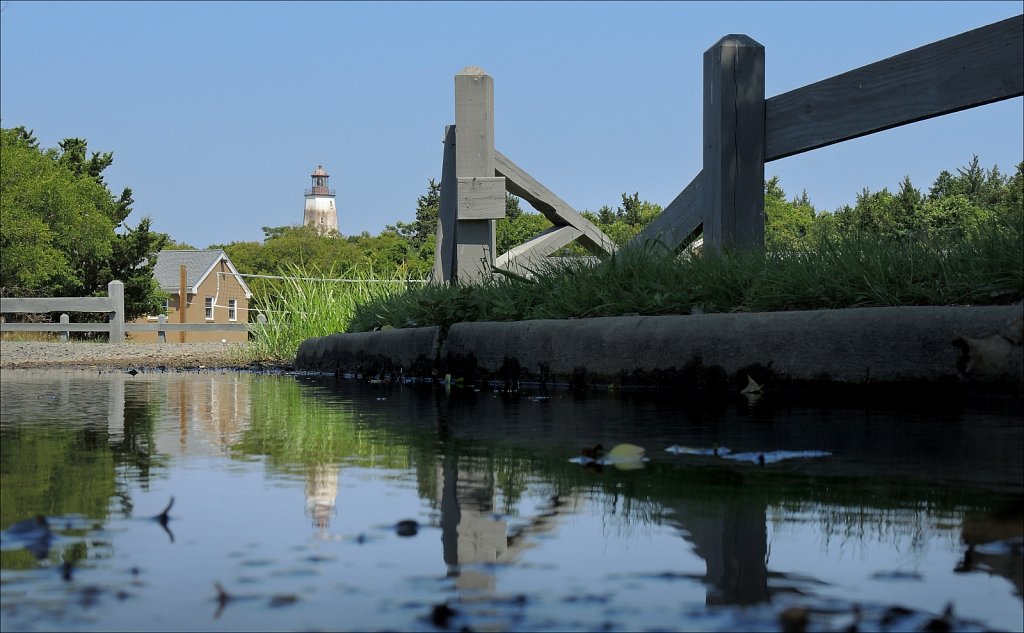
point(742, 131)
point(113, 305)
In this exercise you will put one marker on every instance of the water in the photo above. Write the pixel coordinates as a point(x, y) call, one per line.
point(288, 489)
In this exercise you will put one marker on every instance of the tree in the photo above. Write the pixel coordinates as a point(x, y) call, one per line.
point(59, 225)
point(425, 224)
point(511, 231)
point(786, 224)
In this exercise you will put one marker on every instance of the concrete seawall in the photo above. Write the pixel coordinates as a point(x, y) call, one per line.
point(846, 348)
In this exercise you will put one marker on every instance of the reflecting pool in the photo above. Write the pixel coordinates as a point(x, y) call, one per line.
point(309, 503)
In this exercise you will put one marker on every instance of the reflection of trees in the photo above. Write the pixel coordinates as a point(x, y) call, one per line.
point(66, 437)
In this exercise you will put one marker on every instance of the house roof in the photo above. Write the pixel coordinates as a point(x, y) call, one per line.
point(198, 266)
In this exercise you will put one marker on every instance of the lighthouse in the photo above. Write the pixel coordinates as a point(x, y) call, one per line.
point(320, 210)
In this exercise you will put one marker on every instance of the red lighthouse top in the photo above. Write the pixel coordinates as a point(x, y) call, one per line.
point(320, 183)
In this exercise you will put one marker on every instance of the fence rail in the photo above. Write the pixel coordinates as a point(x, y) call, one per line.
point(113, 305)
point(742, 130)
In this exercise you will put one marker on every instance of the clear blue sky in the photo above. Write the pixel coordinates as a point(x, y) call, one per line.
point(218, 112)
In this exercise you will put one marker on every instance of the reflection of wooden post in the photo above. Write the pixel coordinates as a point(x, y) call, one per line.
point(182, 296)
point(115, 405)
point(115, 290)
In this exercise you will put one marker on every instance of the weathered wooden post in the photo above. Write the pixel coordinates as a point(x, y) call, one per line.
point(64, 334)
point(444, 251)
point(115, 290)
point(182, 299)
point(480, 195)
point(734, 124)
point(161, 334)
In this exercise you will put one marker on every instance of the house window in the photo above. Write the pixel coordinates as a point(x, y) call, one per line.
point(209, 308)
point(232, 309)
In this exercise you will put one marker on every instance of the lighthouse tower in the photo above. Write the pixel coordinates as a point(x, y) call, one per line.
point(320, 210)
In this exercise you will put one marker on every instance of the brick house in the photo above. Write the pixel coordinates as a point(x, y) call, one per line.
point(215, 293)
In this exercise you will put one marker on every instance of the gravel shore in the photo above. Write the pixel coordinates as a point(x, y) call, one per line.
point(16, 354)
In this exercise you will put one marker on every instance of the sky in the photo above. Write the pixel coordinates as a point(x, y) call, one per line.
point(217, 113)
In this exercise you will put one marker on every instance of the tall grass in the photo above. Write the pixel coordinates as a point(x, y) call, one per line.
point(306, 304)
point(838, 271)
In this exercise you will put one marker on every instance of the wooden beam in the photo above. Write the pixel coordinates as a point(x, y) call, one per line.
point(55, 304)
point(444, 253)
point(525, 258)
point(522, 184)
point(474, 157)
point(481, 198)
point(55, 327)
point(677, 222)
point(981, 66)
point(733, 175)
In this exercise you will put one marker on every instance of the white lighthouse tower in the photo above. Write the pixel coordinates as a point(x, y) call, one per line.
point(320, 210)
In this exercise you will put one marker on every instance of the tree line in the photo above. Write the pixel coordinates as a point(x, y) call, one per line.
point(64, 233)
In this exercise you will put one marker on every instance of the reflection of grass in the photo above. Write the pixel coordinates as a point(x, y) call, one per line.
point(295, 426)
point(291, 428)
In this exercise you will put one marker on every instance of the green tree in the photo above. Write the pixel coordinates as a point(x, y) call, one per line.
point(786, 224)
point(425, 225)
point(513, 230)
point(59, 222)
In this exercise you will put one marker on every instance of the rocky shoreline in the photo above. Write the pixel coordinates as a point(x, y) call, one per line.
point(22, 354)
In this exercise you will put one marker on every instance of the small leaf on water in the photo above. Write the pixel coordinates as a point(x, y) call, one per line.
point(625, 457)
point(626, 452)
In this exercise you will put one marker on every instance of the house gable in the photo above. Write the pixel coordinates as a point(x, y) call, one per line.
point(198, 266)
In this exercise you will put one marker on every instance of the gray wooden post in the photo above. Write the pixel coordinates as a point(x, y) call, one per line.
point(444, 251)
point(733, 176)
point(480, 195)
point(115, 290)
point(161, 334)
point(64, 334)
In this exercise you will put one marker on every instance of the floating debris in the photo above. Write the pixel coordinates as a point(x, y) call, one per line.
point(773, 457)
point(897, 575)
point(283, 600)
point(32, 534)
point(407, 528)
point(164, 517)
point(621, 456)
point(441, 614)
point(752, 388)
point(762, 458)
point(717, 451)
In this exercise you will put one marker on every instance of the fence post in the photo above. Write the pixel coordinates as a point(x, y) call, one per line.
point(115, 290)
point(161, 334)
point(734, 127)
point(480, 196)
point(64, 334)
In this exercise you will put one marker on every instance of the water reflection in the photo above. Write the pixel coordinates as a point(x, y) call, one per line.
point(501, 511)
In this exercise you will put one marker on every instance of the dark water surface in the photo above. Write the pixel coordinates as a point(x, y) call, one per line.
point(305, 503)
